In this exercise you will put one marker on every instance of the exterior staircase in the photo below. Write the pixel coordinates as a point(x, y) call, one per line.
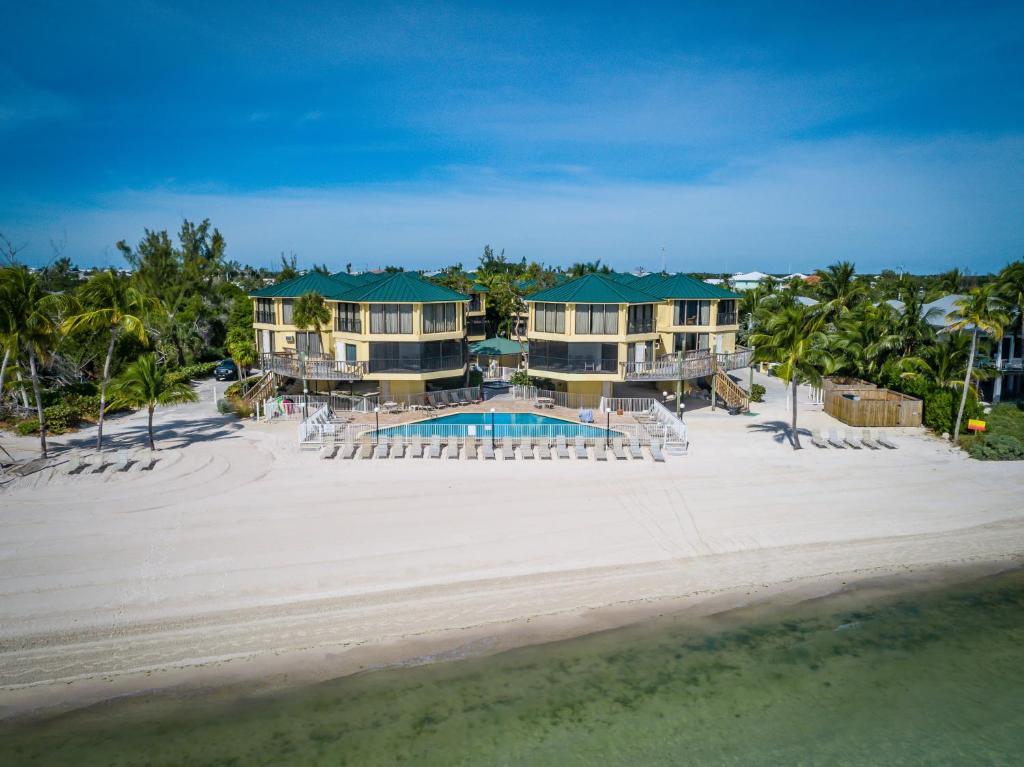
point(260, 390)
point(731, 392)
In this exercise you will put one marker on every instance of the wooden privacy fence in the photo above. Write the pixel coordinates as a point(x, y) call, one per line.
point(859, 403)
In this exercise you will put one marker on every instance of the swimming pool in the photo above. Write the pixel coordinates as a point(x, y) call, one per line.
point(516, 425)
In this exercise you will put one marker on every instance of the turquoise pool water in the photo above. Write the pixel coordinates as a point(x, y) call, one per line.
point(515, 425)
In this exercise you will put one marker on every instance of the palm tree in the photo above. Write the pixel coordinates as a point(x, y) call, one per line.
point(110, 304)
point(32, 327)
point(144, 383)
point(980, 311)
point(838, 289)
point(310, 311)
point(950, 282)
point(793, 338)
point(1011, 288)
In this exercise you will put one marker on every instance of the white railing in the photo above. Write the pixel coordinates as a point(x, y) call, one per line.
point(662, 423)
point(293, 407)
point(311, 429)
point(560, 398)
point(352, 403)
point(498, 373)
point(406, 433)
point(627, 404)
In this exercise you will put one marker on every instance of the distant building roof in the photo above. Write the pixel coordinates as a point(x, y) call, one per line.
point(593, 289)
point(749, 276)
point(679, 286)
point(806, 301)
point(497, 347)
point(402, 287)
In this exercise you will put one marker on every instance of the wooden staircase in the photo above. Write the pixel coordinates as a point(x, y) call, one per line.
point(731, 392)
point(260, 390)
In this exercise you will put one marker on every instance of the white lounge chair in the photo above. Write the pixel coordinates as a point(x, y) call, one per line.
point(634, 448)
point(600, 450)
point(867, 440)
point(398, 449)
point(884, 441)
point(348, 449)
point(453, 448)
point(544, 448)
point(617, 450)
point(581, 449)
point(471, 448)
point(415, 447)
point(365, 448)
point(74, 463)
point(508, 449)
point(818, 439)
point(850, 440)
point(487, 448)
point(123, 459)
point(383, 448)
point(656, 453)
point(561, 449)
point(833, 439)
point(435, 446)
point(526, 448)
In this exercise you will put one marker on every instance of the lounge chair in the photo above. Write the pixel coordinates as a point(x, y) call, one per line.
point(561, 449)
point(818, 439)
point(884, 441)
point(365, 447)
point(617, 450)
point(123, 460)
point(453, 448)
point(508, 449)
point(850, 440)
point(526, 448)
point(586, 416)
point(398, 449)
point(487, 448)
point(383, 448)
point(581, 449)
point(75, 464)
point(328, 450)
point(867, 440)
point(348, 449)
point(544, 448)
point(656, 453)
point(833, 439)
point(416, 447)
point(461, 399)
point(471, 448)
point(600, 451)
point(435, 446)
point(634, 448)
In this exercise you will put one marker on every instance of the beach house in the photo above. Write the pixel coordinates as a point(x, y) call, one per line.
point(389, 332)
point(593, 334)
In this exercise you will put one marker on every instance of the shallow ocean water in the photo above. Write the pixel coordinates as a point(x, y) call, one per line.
point(927, 679)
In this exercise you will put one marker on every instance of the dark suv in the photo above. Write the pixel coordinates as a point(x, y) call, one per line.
point(225, 369)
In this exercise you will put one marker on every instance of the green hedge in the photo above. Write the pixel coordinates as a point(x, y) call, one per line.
point(998, 447)
point(188, 372)
point(940, 405)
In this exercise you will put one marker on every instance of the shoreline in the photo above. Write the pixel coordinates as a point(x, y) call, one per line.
point(274, 671)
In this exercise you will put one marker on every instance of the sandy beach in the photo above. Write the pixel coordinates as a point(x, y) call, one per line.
point(239, 557)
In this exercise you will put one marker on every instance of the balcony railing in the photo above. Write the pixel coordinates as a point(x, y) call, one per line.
point(694, 364)
point(348, 324)
point(726, 318)
point(267, 318)
point(634, 328)
point(313, 368)
point(476, 326)
point(572, 364)
point(411, 365)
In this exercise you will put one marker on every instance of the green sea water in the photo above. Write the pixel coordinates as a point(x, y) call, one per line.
point(936, 678)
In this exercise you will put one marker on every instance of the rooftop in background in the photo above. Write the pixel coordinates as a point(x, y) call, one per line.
point(497, 347)
point(331, 287)
point(383, 287)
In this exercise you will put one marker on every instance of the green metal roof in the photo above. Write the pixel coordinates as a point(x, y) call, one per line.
point(497, 347)
point(676, 286)
point(362, 278)
point(624, 277)
point(593, 289)
point(401, 288)
point(330, 287)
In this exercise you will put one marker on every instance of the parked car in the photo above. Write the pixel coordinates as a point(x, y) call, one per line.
point(226, 369)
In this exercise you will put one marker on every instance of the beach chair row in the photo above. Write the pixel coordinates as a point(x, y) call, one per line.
point(123, 460)
point(527, 448)
point(852, 439)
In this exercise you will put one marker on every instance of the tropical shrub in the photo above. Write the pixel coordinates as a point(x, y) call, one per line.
point(520, 378)
point(998, 447)
point(757, 392)
point(26, 427)
point(187, 372)
point(61, 417)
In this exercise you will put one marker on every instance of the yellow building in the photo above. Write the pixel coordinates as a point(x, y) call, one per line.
point(391, 332)
point(598, 330)
point(476, 313)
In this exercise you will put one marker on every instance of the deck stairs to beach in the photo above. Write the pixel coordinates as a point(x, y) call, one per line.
point(734, 395)
point(260, 389)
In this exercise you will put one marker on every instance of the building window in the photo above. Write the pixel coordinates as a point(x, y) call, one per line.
point(475, 303)
point(346, 318)
point(391, 318)
point(440, 318)
point(265, 310)
point(549, 318)
point(587, 357)
point(415, 357)
point(286, 311)
point(308, 344)
point(641, 318)
point(726, 312)
point(690, 342)
point(692, 313)
point(597, 319)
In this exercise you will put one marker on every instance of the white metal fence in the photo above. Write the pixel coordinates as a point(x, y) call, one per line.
point(560, 398)
point(311, 429)
point(627, 404)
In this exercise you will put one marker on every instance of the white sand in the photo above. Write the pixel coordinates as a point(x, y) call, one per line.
point(238, 547)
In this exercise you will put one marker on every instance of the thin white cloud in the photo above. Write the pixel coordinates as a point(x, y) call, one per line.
point(22, 103)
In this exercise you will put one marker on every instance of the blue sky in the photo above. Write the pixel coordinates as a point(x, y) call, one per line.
point(719, 139)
